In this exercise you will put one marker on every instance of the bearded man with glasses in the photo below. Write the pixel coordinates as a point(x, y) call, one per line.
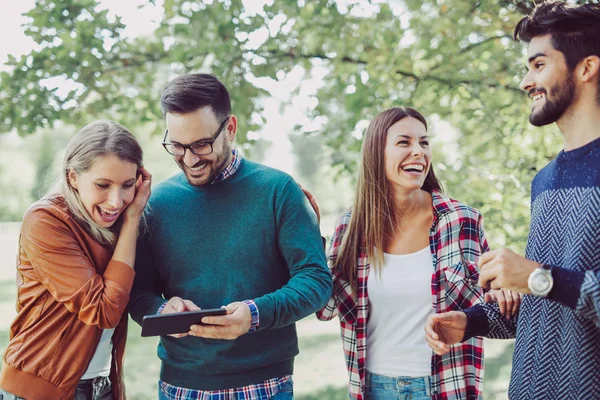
point(226, 231)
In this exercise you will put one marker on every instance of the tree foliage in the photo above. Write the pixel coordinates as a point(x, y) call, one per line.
point(454, 60)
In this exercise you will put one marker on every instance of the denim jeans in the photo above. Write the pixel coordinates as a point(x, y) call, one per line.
point(379, 387)
point(9, 396)
point(286, 392)
point(94, 389)
point(87, 389)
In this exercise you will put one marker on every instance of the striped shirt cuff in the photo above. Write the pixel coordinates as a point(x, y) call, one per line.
point(161, 308)
point(254, 314)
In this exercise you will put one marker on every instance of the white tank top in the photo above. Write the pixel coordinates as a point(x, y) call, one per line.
point(100, 364)
point(400, 301)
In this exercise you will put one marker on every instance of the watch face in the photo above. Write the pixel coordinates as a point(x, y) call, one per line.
point(540, 283)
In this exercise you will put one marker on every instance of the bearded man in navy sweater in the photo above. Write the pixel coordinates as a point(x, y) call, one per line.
point(226, 231)
point(557, 352)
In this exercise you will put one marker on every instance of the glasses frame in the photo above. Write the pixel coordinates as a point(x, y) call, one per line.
point(186, 147)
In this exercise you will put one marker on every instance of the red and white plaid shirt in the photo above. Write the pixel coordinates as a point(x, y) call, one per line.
point(458, 374)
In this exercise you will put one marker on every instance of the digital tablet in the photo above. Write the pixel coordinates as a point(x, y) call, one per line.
point(166, 324)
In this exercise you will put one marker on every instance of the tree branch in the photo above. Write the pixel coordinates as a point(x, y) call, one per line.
point(486, 40)
point(408, 74)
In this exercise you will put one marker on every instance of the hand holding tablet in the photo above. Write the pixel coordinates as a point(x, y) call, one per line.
point(178, 322)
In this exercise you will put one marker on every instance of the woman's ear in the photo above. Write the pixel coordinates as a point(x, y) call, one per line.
point(72, 177)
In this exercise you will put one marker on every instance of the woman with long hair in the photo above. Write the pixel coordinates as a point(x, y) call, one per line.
point(403, 252)
point(75, 271)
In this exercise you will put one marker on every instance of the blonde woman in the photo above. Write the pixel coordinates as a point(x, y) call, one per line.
point(75, 271)
point(403, 252)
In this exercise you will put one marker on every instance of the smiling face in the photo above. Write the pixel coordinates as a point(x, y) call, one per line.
point(407, 154)
point(106, 189)
point(548, 82)
point(196, 127)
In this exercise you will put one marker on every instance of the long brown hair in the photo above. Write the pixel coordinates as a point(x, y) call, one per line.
point(373, 212)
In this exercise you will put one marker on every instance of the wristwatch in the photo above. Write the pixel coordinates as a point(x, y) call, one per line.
point(540, 281)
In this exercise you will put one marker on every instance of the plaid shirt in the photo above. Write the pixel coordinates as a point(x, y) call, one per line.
point(230, 169)
point(458, 374)
point(259, 391)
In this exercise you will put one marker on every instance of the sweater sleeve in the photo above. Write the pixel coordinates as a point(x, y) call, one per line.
point(68, 273)
point(484, 319)
point(300, 245)
point(577, 290)
point(146, 294)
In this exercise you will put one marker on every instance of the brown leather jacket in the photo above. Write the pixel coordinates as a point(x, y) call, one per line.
point(68, 291)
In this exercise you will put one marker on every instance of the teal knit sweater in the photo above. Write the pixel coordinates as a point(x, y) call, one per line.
point(252, 236)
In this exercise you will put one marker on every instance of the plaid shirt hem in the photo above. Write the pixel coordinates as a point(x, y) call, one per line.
point(260, 391)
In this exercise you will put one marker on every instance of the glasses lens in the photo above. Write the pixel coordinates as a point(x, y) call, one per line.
point(201, 149)
point(174, 149)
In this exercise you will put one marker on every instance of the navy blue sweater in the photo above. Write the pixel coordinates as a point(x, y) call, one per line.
point(557, 350)
point(252, 236)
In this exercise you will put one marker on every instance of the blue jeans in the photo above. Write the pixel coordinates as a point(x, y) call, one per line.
point(379, 387)
point(286, 392)
point(87, 389)
point(9, 396)
point(94, 389)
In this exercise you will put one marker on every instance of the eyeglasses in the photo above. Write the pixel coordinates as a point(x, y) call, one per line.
point(202, 147)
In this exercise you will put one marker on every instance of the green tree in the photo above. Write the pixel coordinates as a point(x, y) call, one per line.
point(455, 60)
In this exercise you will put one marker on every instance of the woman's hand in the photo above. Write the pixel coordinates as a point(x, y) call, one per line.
point(312, 201)
point(142, 193)
point(508, 301)
point(444, 330)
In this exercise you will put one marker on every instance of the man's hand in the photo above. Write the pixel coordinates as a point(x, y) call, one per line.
point(508, 301)
point(505, 269)
point(236, 323)
point(444, 330)
point(177, 304)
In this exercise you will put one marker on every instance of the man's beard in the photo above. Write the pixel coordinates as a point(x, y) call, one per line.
point(216, 166)
point(552, 110)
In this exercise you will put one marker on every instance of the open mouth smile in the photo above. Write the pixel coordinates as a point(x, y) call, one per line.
point(414, 168)
point(108, 215)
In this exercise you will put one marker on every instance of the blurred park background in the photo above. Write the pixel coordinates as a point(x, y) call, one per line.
point(306, 77)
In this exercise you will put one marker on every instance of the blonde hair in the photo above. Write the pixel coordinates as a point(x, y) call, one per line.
point(373, 213)
point(95, 140)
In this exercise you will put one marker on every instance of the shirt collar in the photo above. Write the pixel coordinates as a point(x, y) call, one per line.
point(231, 169)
